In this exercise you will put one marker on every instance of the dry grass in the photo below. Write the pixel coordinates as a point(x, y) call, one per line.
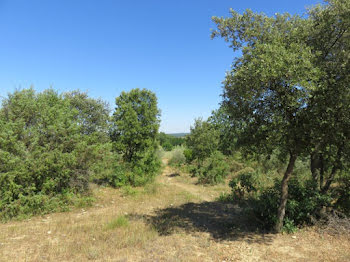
point(171, 220)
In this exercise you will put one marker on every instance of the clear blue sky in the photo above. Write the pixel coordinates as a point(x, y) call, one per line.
point(105, 47)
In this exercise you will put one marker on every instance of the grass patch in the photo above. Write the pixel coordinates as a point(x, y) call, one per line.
point(129, 191)
point(225, 197)
point(151, 189)
point(120, 221)
point(188, 197)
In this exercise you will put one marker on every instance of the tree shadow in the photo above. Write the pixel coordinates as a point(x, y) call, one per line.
point(173, 175)
point(222, 221)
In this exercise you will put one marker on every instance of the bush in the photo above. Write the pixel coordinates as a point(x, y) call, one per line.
point(188, 155)
point(342, 194)
point(177, 157)
point(303, 206)
point(214, 170)
point(243, 184)
point(44, 152)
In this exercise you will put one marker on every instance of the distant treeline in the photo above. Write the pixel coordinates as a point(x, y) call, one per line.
point(169, 141)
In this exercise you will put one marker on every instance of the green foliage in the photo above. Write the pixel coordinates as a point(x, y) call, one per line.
point(92, 114)
point(243, 184)
point(177, 157)
point(135, 129)
point(135, 124)
point(214, 169)
point(203, 140)
point(220, 119)
point(168, 142)
point(120, 221)
point(129, 191)
point(225, 197)
point(342, 194)
point(303, 206)
point(45, 153)
point(289, 226)
point(144, 169)
point(289, 89)
point(188, 153)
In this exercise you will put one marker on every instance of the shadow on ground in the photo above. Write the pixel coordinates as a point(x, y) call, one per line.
point(221, 220)
point(173, 175)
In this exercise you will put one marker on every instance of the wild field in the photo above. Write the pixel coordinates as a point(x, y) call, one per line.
point(172, 219)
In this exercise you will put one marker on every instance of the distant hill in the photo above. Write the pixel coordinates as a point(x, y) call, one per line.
point(178, 134)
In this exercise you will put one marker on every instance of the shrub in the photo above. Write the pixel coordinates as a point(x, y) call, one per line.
point(235, 166)
point(243, 184)
point(214, 169)
point(342, 194)
point(303, 206)
point(167, 146)
point(188, 155)
point(144, 170)
point(44, 153)
point(177, 157)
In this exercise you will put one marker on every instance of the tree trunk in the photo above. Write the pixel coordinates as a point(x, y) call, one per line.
point(284, 193)
point(336, 167)
point(326, 187)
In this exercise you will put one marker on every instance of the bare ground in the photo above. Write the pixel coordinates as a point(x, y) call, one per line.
point(171, 220)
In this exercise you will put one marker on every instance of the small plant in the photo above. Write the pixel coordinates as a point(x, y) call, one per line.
point(120, 221)
point(129, 191)
point(225, 197)
point(289, 226)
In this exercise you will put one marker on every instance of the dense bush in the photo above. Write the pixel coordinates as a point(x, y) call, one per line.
point(342, 194)
point(144, 169)
point(188, 155)
point(137, 173)
point(214, 169)
point(203, 140)
point(134, 135)
point(243, 184)
point(303, 206)
point(43, 152)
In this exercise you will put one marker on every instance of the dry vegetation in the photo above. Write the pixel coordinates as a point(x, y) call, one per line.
point(171, 220)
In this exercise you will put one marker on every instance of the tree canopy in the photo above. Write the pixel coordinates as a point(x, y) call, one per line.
point(285, 67)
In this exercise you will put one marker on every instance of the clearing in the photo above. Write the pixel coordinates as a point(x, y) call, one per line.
point(172, 219)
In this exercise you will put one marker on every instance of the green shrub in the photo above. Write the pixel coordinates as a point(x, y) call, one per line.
point(168, 146)
point(144, 170)
point(342, 194)
point(177, 157)
point(129, 191)
point(243, 184)
point(188, 155)
point(214, 169)
point(304, 204)
point(225, 197)
point(45, 152)
point(235, 166)
point(138, 173)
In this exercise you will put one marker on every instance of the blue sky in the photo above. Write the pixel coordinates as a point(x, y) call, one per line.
point(105, 47)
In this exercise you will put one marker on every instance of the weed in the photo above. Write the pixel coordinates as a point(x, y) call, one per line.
point(120, 221)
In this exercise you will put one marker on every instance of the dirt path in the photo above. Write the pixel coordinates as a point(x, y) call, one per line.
point(171, 177)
